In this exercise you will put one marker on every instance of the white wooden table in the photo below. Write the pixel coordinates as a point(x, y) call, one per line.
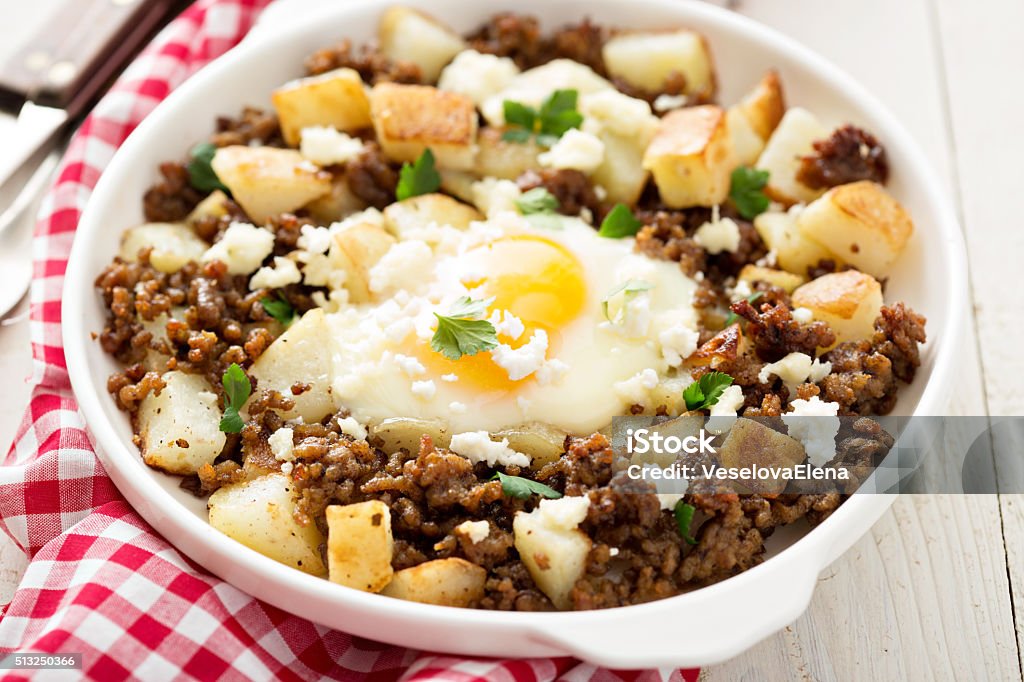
point(932, 591)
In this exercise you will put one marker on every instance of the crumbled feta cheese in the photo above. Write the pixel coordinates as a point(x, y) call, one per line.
point(475, 531)
point(803, 315)
point(326, 146)
point(243, 247)
point(319, 271)
point(283, 273)
point(450, 378)
point(477, 446)
point(477, 76)
point(668, 501)
point(575, 149)
point(424, 389)
point(613, 551)
point(406, 265)
point(523, 361)
point(350, 427)
point(369, 216)
point(282, 444)
point(666, 102)
point(551, 372)
point(815, 424)
point(565, 513)
point(410, 365)
point(455, 407)
point(723, 413)
point(635, 317)
point(637, 388)
point(795, 369)
point(314, 239)
point(678, 342)
point(618, 113)
point(718, 235)
point(507, 324)
point(494, 195)
point(741, 290)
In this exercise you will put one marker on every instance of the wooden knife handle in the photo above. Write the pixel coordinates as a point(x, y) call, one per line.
point(86, 44)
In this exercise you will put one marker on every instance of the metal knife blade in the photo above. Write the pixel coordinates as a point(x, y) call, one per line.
point(23, 136)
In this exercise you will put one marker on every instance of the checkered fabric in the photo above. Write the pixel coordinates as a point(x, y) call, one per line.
point(101, 581)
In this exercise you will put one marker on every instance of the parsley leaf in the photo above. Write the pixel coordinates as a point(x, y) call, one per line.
point(459, 334)
point(628, 289)
point(706, 391)
point(418, 178)
point(684, 517)
point(523, 488)
point(747, 191)
point(237, 390)
point(556, 116)
point(620, 222)
point(279, 309)
point(729, 321)
point(200, 170)
point(537, 200)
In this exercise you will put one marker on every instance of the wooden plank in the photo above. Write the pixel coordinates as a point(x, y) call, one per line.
point(985, 111)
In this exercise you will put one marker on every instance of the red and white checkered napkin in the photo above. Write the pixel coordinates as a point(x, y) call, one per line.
point(101, 581)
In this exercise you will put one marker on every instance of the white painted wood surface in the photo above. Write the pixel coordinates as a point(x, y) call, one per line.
point(927, 595)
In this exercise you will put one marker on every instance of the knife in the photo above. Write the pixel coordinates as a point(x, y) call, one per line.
point(53, 79)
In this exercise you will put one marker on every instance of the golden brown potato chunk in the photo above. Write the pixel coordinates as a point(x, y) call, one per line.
point(411, 118)
point(861, 224)
point(500, 159)
point(445, 582)
point(691, 157)
point(336, 98)
point(751, 443)
point(409, 35)
point(360, 545)
point(787, 281)
point(647, 59)
point(791, 140)
point(848, 301)
point(267, 182)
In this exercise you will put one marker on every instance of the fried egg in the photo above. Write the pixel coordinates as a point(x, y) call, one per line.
point(586, 328)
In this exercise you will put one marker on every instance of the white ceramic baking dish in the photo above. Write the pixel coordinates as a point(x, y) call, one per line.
point(698, 628)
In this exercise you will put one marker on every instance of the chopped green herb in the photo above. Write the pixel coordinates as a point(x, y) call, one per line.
point(418, 178)
point(729, 321)
point(523, 488)
point(458, 333)
point(620, 222)
point(684, 517)
point(747, 191)
point(537, 200)
point(237, 390)
point(628, 289)
point(200, 171)
point(279, 309)
point(556, 116)
point(706, 391)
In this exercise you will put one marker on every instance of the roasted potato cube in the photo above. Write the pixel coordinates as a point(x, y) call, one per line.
point(542, 443)
point(792, 139)
point(500, 159)
point(553, 550)
point(180, 427)
point(764, 106)
point(301, 355)
point(404, 433)
point(691, 157)
point(849, 302)
point(751, 443)
point(681, 427)
point(172, 244)
point(794, 252)
point(336, 204)
point(260, 514)
point(621, 173)
point(411, 118)
point(444, 582)
point(360, 545)
point(335, 99)
point(409, 35)
point(267, 182)
point(746, 145)
point(418, 212)
point(356, 250)
point(646, 59)
point(459, 184)
point(861, 224)
point(787, 281)
point(213, 206)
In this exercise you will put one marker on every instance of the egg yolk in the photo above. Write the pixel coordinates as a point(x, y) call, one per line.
point(535, 279)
